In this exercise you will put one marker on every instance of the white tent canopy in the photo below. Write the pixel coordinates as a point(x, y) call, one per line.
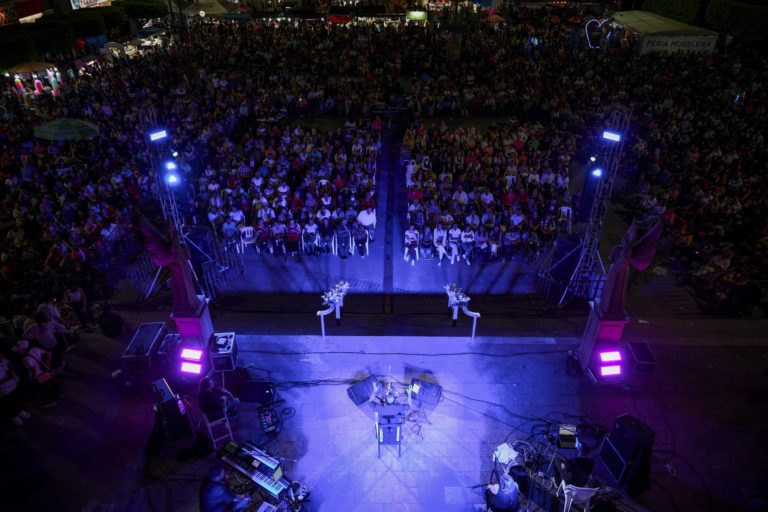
point(664, 34)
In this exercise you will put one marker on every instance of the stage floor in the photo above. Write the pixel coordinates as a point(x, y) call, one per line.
point(89, 448)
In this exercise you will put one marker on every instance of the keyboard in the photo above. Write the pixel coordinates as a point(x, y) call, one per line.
point(274, 487)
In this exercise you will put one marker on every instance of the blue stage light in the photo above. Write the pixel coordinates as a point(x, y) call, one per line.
point(170, 166)
point(158, 135)
point(597, 172)
point(171, 178)
point(615, 137)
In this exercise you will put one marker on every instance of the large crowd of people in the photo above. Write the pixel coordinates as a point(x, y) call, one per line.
point(500, 194)
point(234, 97)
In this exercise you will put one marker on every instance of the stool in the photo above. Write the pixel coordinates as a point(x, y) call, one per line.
point(223, 427)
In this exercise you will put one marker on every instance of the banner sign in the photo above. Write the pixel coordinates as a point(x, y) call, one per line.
point(653, 43)
point(79, 4)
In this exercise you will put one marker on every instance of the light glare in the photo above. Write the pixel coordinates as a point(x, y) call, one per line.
point(158, 135)
point(195, 368)
point(610, 357)
point(192, 354)
point(616, 137)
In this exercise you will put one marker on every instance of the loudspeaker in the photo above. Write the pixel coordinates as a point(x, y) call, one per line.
point(256, 391)
point(362, 391)
point(626, 453)
point(426, 392)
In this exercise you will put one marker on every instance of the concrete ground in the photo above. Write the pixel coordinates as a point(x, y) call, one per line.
point(705, 401)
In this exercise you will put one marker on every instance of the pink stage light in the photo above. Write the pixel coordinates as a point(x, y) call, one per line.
point(191, 368)
point(610, 357)
point(610, 371)
point(192, 354)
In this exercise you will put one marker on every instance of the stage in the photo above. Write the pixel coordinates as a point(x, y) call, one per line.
point(494, 389)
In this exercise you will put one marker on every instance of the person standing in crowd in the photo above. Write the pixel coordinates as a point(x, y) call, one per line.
point(11, 406)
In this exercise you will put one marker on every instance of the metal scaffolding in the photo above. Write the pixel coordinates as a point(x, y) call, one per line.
point(588, 277)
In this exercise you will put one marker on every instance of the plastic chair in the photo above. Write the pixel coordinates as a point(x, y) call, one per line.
point(316, 240)
point(247, 237)
point(576, 495)
point(218, 430)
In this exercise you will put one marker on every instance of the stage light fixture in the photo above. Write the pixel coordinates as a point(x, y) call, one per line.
point(191, 354)
point(593, 159)
point(612, 136)
point(187, 367)
point(158, 135)
point(597, 172)
point(610, 356)
point(175, 154)
point(610, 371)
point(171, 178)
point(606, 366)
point(170, 165)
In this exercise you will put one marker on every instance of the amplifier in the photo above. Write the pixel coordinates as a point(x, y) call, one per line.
point(426, 392)
point(223, 351)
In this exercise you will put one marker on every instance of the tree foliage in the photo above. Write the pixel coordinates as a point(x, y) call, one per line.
point(687, 11)
point(745, 21)
point(145, 8)
point(21, 44)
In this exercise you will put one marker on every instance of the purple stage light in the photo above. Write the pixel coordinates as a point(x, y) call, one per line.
point(610, 371)
point(191, 354)
point(610, 356)
point(188, 367)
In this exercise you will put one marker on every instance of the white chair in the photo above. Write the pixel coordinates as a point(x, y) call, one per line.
point(305, 235)
point(247, 237)
point(218, 430)
point(576, 495)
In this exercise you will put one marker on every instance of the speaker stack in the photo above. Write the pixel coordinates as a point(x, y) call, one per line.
point(626, 454)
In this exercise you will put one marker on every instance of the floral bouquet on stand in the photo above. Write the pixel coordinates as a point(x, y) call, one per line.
point(335, 295)
point(456, 297)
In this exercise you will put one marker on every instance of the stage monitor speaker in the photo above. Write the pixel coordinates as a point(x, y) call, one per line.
point(626, 453)
point(426, 392)
point(257, 392)
point(362, 391)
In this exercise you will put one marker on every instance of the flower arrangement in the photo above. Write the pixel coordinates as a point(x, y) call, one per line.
point(336, 294)
point(456, 297)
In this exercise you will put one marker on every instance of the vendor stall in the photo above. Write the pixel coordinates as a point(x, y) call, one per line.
point(659, 34)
